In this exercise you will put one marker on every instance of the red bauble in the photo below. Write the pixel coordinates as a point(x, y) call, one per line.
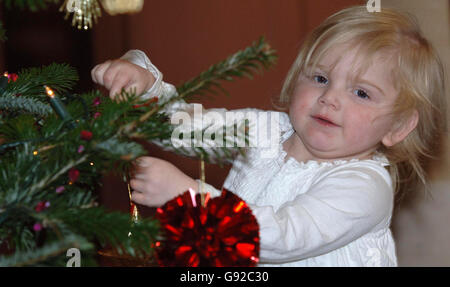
point(42, 205)
point(73, 175)
point(224, 232)
point(86, 135)
point(97, 101)
point(12, 77)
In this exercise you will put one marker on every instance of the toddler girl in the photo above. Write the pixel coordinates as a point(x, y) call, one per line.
point(366, 100)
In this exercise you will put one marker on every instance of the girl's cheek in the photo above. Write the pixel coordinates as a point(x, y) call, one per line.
point(363, 120)
point(298, 103)
point(303, 89)
point(358, 116)
point(306, 95)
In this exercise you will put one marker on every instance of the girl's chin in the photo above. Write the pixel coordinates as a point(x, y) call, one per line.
point(323, 151)
point(321, 146)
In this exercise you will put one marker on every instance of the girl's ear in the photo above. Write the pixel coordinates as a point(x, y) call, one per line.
point(400, 131)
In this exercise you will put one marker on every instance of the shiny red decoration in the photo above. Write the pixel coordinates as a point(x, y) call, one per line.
point(86, 135)
point(42, 205)
point(12, 77)
point(97, 101)
point(222, 233)
point(73, 175)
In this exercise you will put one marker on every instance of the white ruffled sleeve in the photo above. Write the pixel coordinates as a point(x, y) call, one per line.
point(160, 89)
point(138, 57)
point(338, 209)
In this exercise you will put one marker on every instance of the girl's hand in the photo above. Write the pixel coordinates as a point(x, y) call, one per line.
point(157, 181)
point(116, 75)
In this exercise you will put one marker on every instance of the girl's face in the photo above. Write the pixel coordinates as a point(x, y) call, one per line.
point(334, 117)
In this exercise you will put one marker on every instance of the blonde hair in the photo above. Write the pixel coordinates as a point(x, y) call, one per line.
point(417, 72)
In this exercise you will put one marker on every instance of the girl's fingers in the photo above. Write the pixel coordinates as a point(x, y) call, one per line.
point(133, 87)
point(144, 161)
point(99, 71)
point(137, 185)
point(138, 197)
point(108, 78)
point(119, 82)
point(140, 176)
point(93, 76)
point(138, 170)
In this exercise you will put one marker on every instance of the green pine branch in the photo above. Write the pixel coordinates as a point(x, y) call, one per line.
point(46, 252)
point(108, 229)
point(24, 105)
point(243, 63)
point(27, 94)
point(60, 77)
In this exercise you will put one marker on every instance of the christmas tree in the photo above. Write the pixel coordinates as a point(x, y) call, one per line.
point(55, 145)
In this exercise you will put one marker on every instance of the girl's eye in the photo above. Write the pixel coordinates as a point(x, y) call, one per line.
point(361, 94)
point(321, 79)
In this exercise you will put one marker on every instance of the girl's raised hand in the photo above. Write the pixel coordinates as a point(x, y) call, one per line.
point(119, 74)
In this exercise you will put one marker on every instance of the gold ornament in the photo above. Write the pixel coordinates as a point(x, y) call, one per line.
point(134, 213)
point(114, 7)
point(85, 12)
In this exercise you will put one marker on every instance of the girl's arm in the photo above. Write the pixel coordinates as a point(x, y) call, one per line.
point(165, 92)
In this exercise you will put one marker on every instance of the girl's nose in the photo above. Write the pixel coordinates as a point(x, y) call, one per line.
point(330, 98)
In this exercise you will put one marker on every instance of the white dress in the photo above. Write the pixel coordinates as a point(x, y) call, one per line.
point(309, 213)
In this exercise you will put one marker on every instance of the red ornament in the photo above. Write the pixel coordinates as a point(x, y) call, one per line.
point(73, 175)
point(224, 232)
point(37, 227)
point(97, 101)
point(12, 77)
point(86, 135)
point(42, 205)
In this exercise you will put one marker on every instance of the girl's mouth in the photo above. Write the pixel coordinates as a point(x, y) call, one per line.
point(324, 121)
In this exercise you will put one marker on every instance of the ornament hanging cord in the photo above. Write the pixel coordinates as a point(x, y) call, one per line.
point(202, 180)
